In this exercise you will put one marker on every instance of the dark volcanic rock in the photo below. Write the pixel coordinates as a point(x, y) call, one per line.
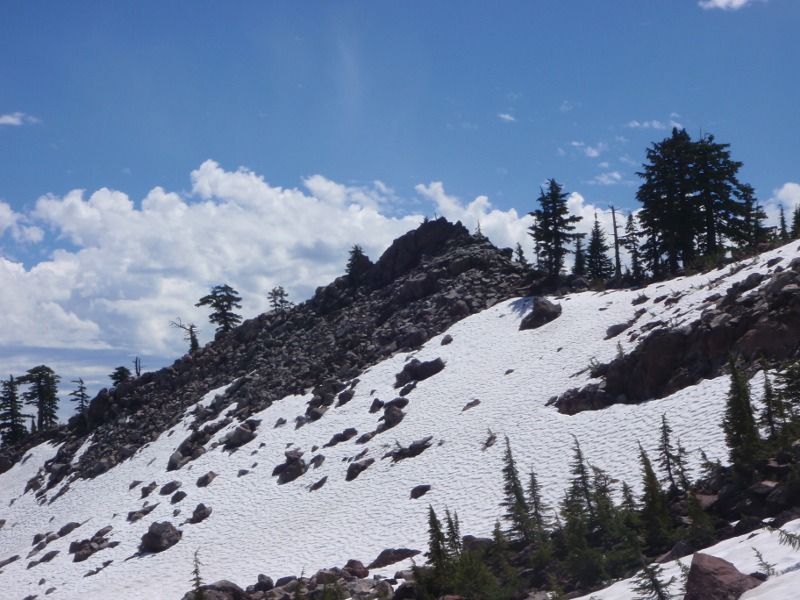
point(293, 468)
point(543, 312)
point(712, 578)
point(356, 468)
point(419, 491)
point(391, 556)
point(159, 537)
point(415, 370)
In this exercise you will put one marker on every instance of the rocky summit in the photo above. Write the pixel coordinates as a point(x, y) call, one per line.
point(300, 452)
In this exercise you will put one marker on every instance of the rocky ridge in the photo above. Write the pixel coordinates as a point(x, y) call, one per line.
point(424, 282)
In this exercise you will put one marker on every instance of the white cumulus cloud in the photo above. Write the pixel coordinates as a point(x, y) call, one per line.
point(125, 270)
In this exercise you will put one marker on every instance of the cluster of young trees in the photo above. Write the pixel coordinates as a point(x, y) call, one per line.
point(693, 209)
point(590, 537)
point(41, 395)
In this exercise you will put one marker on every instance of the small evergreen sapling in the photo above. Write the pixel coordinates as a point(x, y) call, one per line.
point(197, 580)
point(650, 585)
point(120, 375)
point(80, 396)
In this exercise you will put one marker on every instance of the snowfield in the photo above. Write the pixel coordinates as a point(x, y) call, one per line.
point(258, 526)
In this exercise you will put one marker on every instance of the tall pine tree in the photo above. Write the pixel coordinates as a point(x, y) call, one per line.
point(12, 419)
point(42, 394)
point(553, 229)
point(598, 264)
point(739, 423)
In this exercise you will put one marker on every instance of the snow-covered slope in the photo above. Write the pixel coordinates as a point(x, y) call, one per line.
point(258, 526)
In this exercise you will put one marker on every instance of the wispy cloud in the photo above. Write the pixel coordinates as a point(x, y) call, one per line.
point(724, 4)
point(568, 105)
point(18, 118)
point(655, 123)
point(590, 151)
point(508, 118)
point(611, 178)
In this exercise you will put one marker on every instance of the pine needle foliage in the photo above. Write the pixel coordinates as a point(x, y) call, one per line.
point(739, 423)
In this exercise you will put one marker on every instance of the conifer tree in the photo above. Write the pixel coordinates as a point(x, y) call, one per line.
point(515, 503)
point(223, 299)
point(755, 232)
point(667, 453)
point(279, 299)
point(538, 507)
point(700, 532)
point(359, 263)
point(691, 201)
point(631, 243)
point(80, 396)
point(43, 394)
point(649, 583)
point(783, 232)
point(437, 549)
point(655, 513)
point(553, 229)
point(795, 231)
point(773, 412)
point(453, 535)
point(12, 419)
point(120, 375)
point(579, 266)
point(739, 423)
point(519, 255)
point(580, 485)
point(598, 264)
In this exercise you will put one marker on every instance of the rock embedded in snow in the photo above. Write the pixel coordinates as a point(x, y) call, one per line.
point(712, 578)
point(204, 480)
point(543, 312)
point(168, 488)
point(390, 556)
point(356, 468)
point(416, 370)
point(159, 537)
point(419, 491)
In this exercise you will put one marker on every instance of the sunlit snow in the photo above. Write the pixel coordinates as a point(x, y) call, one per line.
point(258, 526)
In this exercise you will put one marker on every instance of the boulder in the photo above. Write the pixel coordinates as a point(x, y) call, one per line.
point(543, 312)
point(712, 578)
point(356, 568)
point(201, 513)
point(159, 537)
point(204, 480)
point(390, 556)
point(238, 437)
point(356, 468)
point(419, 491)
point(293, 468)
point(416, 370)
point(168, 488)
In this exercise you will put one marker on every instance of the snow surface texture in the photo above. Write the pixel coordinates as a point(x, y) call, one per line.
point(258, 526)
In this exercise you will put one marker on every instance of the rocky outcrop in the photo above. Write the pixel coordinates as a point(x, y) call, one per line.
point(712, 578)
point(756, 319)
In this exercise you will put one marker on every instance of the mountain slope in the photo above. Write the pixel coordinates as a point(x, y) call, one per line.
point(258, 525)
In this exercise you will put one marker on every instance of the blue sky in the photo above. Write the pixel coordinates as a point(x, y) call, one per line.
point(151, 150)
